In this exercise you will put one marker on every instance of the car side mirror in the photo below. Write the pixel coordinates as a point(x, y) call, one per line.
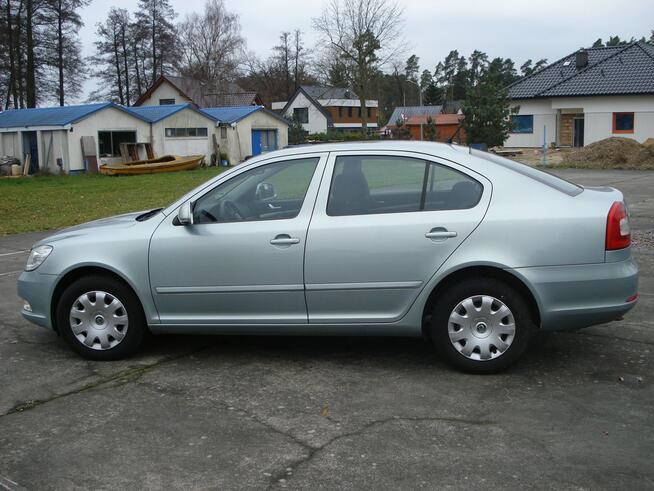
point(265, 191)
point(185, 213)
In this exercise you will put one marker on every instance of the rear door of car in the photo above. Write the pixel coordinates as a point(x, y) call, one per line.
point(383, 223)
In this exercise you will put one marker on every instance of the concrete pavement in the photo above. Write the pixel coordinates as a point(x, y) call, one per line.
point(354, 413)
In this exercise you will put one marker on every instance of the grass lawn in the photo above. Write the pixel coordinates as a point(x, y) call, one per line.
point(52, 202)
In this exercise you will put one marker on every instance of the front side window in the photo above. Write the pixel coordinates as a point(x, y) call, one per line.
point(623, 122)
point(270, 192)
point(522, 123)
point(301, 114)
point(363, 185)
point(109, 142)
point(166, 102)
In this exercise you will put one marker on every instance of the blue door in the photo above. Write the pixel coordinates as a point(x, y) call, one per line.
point(263, 141)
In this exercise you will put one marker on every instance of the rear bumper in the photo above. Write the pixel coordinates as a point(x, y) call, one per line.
point(571, 297)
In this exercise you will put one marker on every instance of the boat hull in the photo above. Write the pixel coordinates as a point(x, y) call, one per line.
point(168, 163)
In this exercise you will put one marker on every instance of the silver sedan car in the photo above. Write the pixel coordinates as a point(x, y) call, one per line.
point(473, 251)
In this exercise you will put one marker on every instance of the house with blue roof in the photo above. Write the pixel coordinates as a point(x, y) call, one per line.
point(70, 138)
point(246, 131)
point(81, 138)
point(586, 96)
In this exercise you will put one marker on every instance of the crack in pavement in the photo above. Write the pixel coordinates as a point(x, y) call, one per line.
point(123, 377)
point(281, 478)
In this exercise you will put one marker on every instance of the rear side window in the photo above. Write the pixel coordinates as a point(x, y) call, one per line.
point(543, 177)
point(364, 185)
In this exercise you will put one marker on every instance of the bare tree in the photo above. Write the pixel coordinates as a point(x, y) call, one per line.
point(366, 34)
point(211, 45)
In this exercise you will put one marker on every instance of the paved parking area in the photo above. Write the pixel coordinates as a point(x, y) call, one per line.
point(349, 413)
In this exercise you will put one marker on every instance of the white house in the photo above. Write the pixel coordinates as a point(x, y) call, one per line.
point(587, 96)
point(323, 109)
point(52, 136)
point(179, 129)
point(247, 131)
point(172, 89)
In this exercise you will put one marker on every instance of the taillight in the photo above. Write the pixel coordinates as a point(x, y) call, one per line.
point(618, 232)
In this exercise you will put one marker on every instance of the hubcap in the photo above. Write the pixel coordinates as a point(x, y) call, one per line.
point(481, 327)
point(98, 320)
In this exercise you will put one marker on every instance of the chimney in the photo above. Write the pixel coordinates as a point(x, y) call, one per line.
point(581, 59)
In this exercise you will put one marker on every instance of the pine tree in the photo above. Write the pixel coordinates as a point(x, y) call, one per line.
point(487, 108)
point(154, 19)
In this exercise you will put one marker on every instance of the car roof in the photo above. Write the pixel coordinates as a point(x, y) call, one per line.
point(442, 149)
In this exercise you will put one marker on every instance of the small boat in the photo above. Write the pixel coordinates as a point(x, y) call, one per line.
point(167, 163)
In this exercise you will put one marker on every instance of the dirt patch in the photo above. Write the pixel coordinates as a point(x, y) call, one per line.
point(613, 153)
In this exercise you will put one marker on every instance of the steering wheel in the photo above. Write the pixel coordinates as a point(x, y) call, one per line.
point(231, 212)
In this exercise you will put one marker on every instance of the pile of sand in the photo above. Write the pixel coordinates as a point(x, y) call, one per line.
point(613, 153)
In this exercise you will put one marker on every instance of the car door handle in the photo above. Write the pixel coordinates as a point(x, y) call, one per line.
point(284, 239)
point(440, 233)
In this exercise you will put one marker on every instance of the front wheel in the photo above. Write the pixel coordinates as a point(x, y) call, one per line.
point(481, 325)
point(101, 318)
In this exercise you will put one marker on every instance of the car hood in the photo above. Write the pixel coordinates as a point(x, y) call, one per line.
point(109, 225)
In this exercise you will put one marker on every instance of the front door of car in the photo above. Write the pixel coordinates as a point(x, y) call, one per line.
point(241, 260)
point(382, 226)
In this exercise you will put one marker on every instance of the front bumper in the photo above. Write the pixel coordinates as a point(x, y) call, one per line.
point(37, 289)
point(571, 297)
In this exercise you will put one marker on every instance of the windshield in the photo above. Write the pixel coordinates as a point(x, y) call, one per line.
point(556, 182)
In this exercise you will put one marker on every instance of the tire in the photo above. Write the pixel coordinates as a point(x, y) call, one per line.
point(475, 339)
point(101, 318)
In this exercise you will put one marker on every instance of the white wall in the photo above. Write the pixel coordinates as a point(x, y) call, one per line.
point(544, 120)
point(186, 118)
point(317, 120)
point(239, 139)
point(598, 115)
point(104, 120)
point(53, 146)
point(165, 91)
point(598, 118)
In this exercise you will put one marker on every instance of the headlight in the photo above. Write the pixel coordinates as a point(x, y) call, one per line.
point(37, 256)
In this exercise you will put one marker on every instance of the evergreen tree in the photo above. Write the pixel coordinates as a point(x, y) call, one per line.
point(487, 107)
point(429, 131)
point(154, 19)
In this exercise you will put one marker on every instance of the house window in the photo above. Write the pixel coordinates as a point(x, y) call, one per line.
point(186, 132)
point(109, 142)
point(301, 114)
point(359, 108)
point(349, 112)
point(523, 123)
point(340, 112)
point(370, 112)
point(166, 102)
point(223, 132)
point(623, 122)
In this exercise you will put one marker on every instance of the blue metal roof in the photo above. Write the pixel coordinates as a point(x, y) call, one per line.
point(50, 116)
point(230, 114)
point(153, 114)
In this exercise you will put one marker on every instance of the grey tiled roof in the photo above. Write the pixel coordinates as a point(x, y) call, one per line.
point(228, 94)
point(409, 111)
point(318, 92)
point(611, 70)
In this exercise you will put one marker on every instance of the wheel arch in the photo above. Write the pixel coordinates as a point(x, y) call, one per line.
point(485, 271)
point(79, 272)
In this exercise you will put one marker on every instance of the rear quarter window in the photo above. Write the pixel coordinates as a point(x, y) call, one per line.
point(567, 187)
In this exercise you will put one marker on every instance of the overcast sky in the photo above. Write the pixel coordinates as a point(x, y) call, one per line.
point(515, 29)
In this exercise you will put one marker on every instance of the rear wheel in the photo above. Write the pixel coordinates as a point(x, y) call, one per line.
point(101, 318)
point(481, 325)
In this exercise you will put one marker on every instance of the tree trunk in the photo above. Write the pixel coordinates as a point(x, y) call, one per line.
point(12, 60)
point(60, 51)
point(19, 58)
point(118, 69)
point(154, 48)
point(137, 71)
point(125, 62)
point(30, 75)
